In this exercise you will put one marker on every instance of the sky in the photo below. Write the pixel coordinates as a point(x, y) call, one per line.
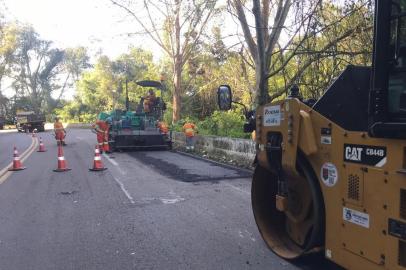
point(95, 24)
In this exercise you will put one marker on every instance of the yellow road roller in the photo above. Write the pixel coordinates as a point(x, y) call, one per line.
point(330, 175)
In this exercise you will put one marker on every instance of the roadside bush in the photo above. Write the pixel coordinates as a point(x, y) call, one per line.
point(225, 124)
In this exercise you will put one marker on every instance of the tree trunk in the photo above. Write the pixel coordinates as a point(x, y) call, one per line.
point(177, 68)
point(261, 59)
point(176, 102)
point(261, 86)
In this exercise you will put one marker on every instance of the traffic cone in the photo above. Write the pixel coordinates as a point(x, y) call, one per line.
point(61, 161)
point(97, 162)
point(41, 146)
point(17, 165)
point(33, 134)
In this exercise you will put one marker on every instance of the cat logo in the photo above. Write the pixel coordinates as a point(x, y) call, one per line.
point(372, 155)
point(353, 153)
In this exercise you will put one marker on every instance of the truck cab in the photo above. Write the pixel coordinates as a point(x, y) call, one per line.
point(29, 120)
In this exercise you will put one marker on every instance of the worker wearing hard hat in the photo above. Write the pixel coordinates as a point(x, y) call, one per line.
point(102, 132)
point(190, 130)
point(60, 132)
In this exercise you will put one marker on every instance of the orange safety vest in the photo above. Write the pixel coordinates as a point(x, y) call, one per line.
point(189, 129)
point(163, 127)
point(58, 126)
point(101, 126)
point(59, 131)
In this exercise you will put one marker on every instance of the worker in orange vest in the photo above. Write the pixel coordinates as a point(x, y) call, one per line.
point(163, 127)
point(60, 132)
point(102, 132)
point(149, 101)
point(190, 131)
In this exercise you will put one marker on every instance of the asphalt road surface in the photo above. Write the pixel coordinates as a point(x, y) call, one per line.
point(149, 210)
point(7, 142)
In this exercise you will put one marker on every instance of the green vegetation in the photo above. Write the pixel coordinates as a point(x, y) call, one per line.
point(318, 49)
point(227, 124)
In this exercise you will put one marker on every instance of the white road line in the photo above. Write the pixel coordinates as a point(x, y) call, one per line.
point(237, 188)
point(130, 198)
point(4, 173)
point(112, 161)
point(127, 194)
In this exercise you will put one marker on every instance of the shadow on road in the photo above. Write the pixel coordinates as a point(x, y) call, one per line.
point(316, 262)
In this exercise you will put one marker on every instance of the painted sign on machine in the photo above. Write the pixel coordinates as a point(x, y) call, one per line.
point(272, 116)
point(365, 154)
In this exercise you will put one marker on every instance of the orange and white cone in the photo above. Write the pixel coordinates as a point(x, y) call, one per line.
point(97, 162)
point(61, 161)
point(41, 146)
point(17, 165)
point(33, 134)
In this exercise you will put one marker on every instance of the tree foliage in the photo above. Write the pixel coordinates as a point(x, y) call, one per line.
point(284, 42)
point(313, 30)
point(177, 26)
point(39, 73)
point(103, 87)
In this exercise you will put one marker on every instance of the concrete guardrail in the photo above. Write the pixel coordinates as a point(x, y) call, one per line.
point(78, 125)
point(240, 152)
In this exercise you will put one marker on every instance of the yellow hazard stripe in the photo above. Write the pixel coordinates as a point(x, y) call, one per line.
point(4, 173)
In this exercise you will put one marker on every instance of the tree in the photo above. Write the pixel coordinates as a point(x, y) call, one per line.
point(261, 50)
point(298, 22)
point(41, 71)
point(177, 27)
point(103, 87)
point(326, 64)
point(8, 45)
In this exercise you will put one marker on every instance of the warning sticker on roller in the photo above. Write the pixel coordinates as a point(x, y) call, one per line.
point(356, 217)
point(325, 139)
point(329, 174)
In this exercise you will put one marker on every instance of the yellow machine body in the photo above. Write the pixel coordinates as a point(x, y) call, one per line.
point(362, 182)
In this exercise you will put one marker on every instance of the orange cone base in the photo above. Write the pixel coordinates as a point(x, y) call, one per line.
point(16, 169)
point(97, 170)
point(62, 170)
point(41, 150)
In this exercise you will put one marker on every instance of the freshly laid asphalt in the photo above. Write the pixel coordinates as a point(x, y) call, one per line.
point(149, 210)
